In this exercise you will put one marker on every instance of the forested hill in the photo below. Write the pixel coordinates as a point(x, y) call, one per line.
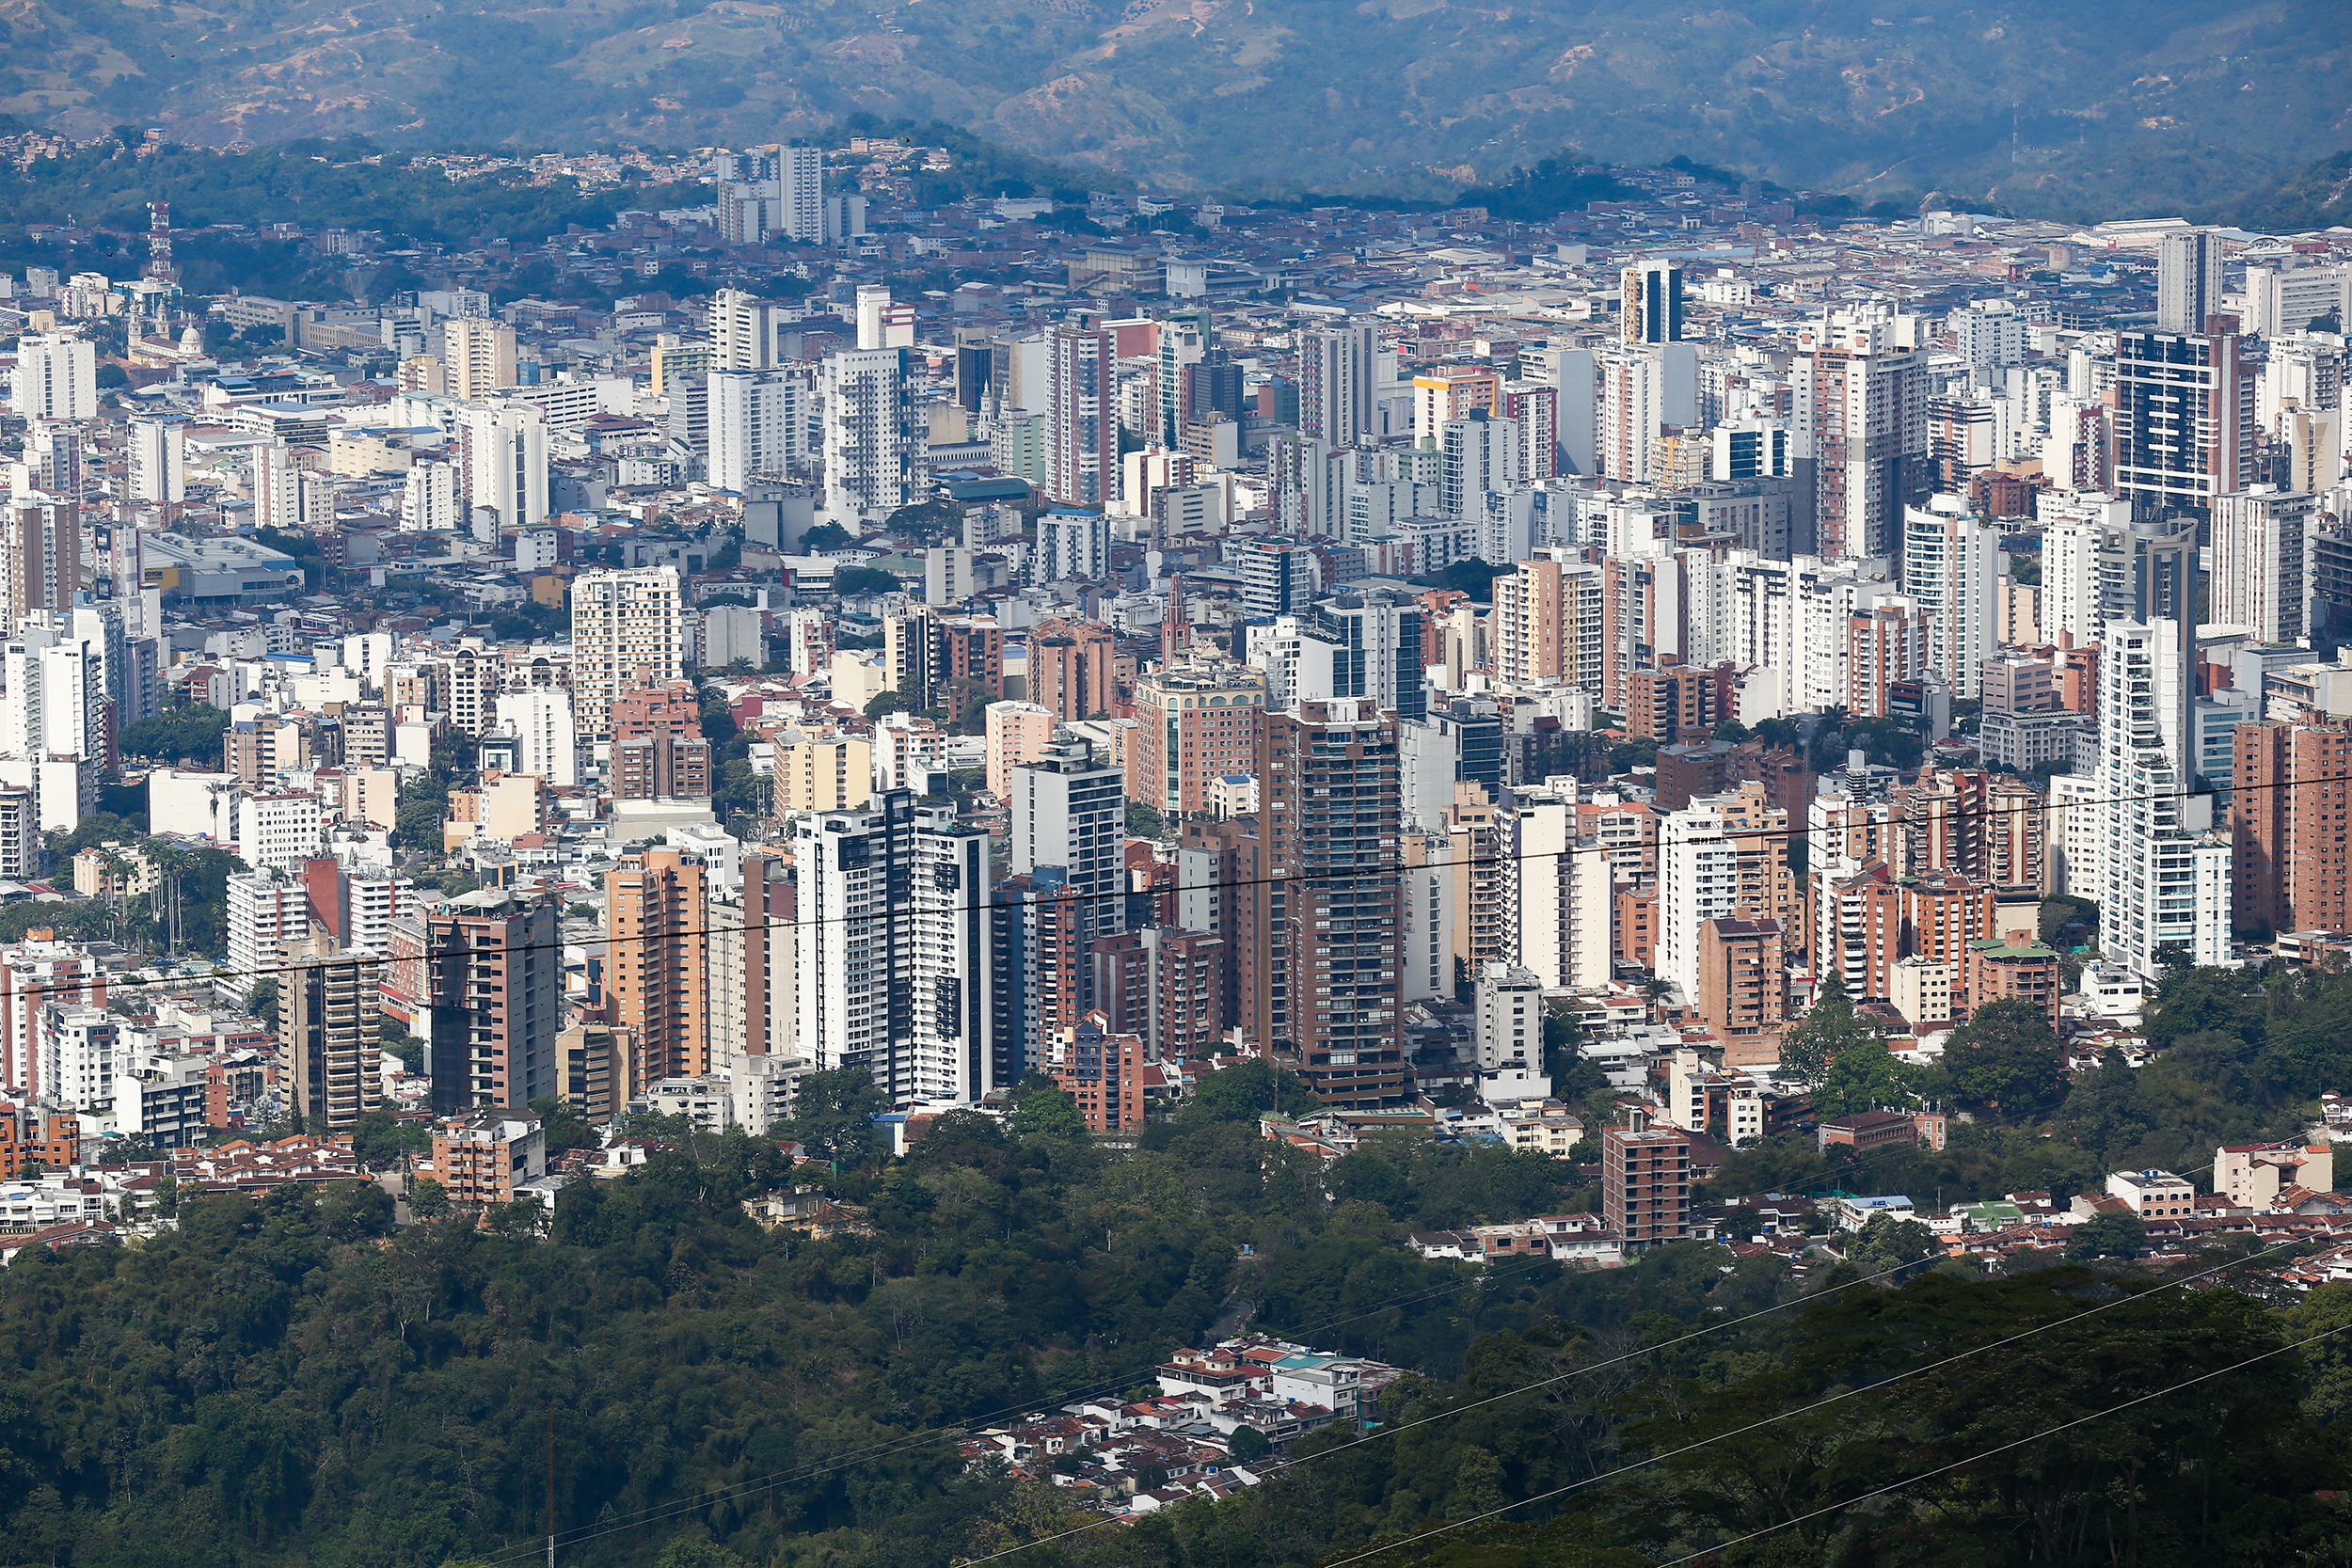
point(2106, 105)
point(294, 1383)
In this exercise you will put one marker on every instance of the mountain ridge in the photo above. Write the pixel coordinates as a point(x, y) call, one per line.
point(2164, 104)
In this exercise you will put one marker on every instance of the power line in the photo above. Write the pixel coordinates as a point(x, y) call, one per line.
point(1818, 1405)
point(1988, 1453)
point(912, 1439)
point(671, 1509)
point(1071, 895)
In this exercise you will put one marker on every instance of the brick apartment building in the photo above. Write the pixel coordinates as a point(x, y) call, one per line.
point(1645, 1182)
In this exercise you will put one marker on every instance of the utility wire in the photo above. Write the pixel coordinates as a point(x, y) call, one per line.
point(1688, 1447)
point(1988, 1453)
point(668, 1511)
point(916, 1438)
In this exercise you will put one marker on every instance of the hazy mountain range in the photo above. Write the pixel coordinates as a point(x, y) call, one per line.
point(2100, 107)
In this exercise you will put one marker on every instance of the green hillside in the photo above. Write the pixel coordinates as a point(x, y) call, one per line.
point(2101, 106)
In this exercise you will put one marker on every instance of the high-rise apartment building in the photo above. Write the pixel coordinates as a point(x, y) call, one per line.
point(1861, 438)
point(1481, 454)
point(502, 460)
point(1279, 576)
point(1070, 667)
point(1071, 547)
point(1444, 392)
point(1629, 416)
point(834, 773)
point(1699, 881)
point(881, 324)
point(1376, 642)
point(40, 557)
point(2260, 561)
point(547, 741)
point(1194, 724)
point(874, 433)
point(2188, 279)
point(1652, 312)
point(661, 767)
point(1070, 812)
point(656, 914)
point(56, 378)
point(2098, 566)
point(2283, 301)
point(2183, 419)
point(1017, 733)
point(742, 332)
point(629, 631)
point(1952, 568)
point(1645, 1182)
point(1549, 623)
point(2163, 879)
point(1330, 902)
point(759, 424)
point(1336, 367)
point(1508, 1023)
point(1082, 427)
point(1561, 887)
point(477, 357)
point(753, 966)
point(1743, 990)
point(156, 457)
point(487, 976)
point(331, 1033)
point(1533, 412)
point(893, 951)
point(2290, 868)
point(771, 191)
point(429, 500)
point(35, 975)
point(1990, 333)
point(1169, 985)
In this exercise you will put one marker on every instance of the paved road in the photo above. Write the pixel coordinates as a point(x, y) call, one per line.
point(389, 1182)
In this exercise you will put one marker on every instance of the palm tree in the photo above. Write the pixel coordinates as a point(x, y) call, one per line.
point(1654, 991)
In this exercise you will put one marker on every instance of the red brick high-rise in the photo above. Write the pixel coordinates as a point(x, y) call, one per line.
point(2289, 869)
point(1332, 902)
point(1070, 668)
point(1645, 1182)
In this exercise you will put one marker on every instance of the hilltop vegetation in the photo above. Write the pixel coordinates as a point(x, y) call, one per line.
point(290, 1382)
point(2106, 106)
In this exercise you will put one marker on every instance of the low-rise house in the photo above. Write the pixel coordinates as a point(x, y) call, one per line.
point(1865, 1129)
point(485, 1156)
point(248, 1166)
point(84, 1232)
point(2256, 1174)
point(1852, 1213)
point(2154, 1194)
point(808, 1209)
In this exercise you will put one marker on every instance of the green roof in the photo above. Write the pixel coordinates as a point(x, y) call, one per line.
point(2000, 944)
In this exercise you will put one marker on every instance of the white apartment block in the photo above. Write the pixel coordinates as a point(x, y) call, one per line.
point(78, 1046)
point(277, 832)
point(265, 914)
point(547, 741)
point(627, 630)
point(2258, 565)
point(897, 985)
point(873, 438)
point(1952, 568)
point(2163, 878)
point(1699, 881)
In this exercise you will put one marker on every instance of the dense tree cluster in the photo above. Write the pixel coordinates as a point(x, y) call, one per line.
point(294, 1380)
